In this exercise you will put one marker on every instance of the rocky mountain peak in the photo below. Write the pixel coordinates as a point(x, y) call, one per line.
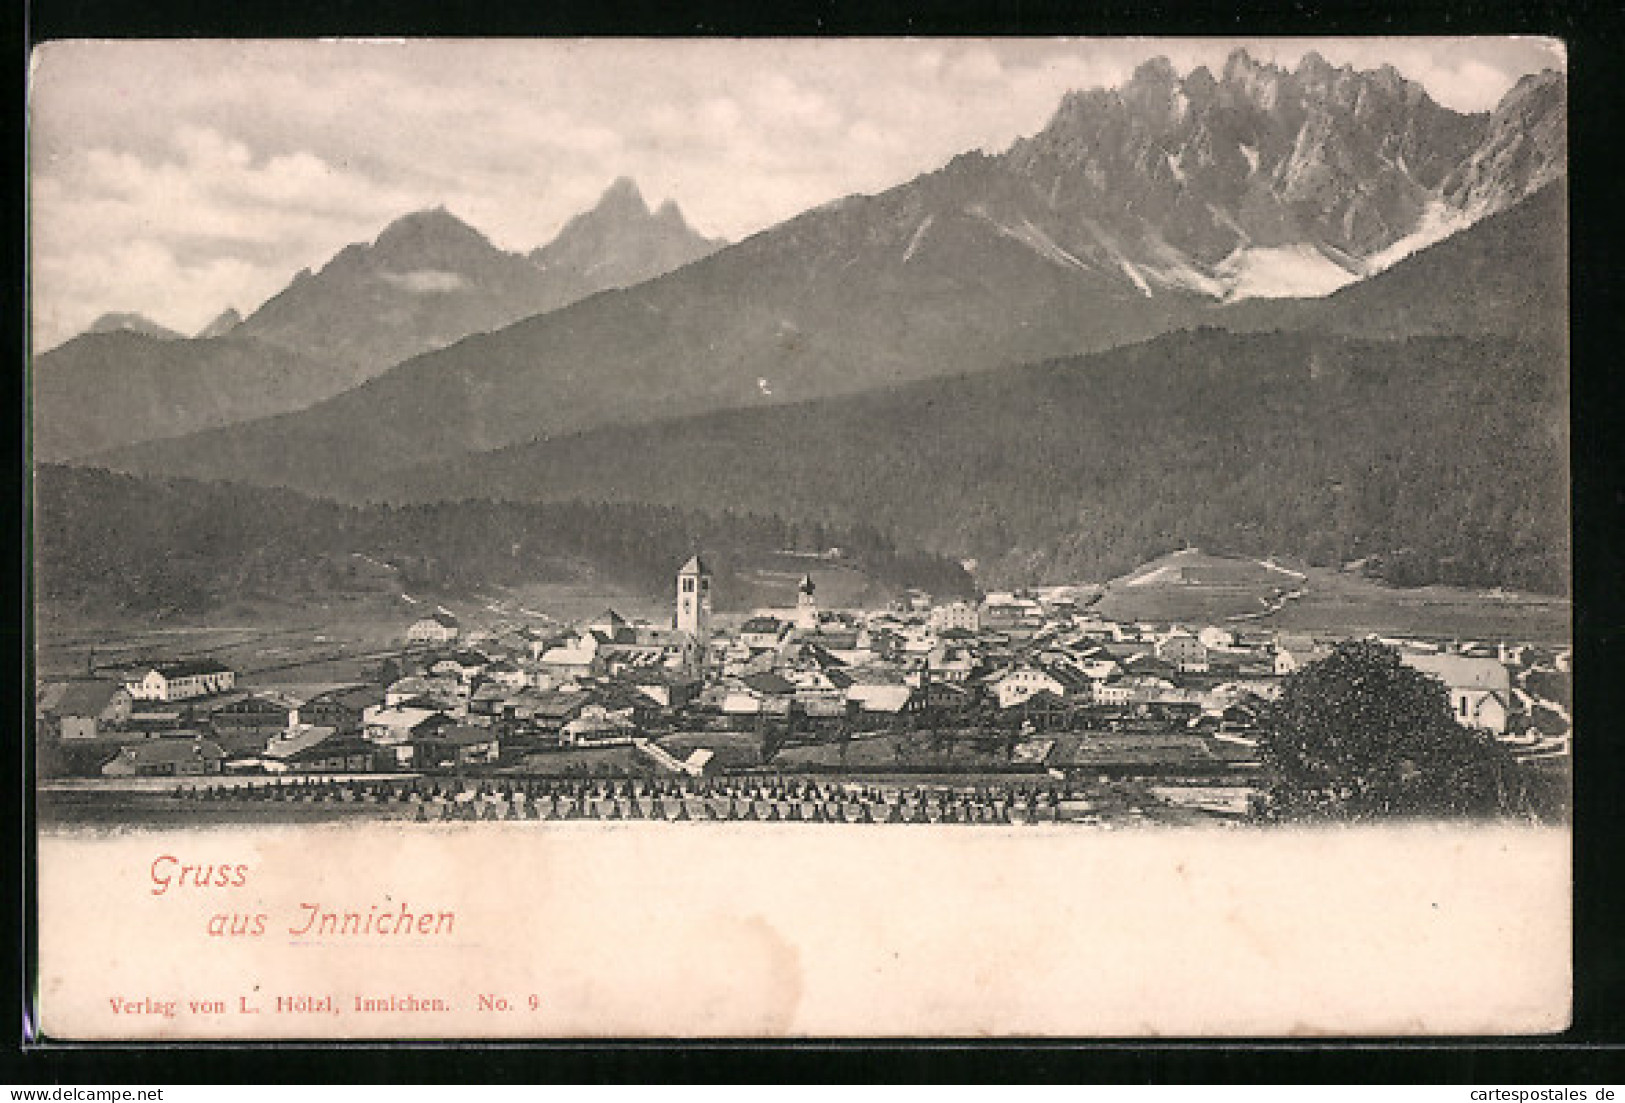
point(130, 322)
point(621, 242)
point(226, 321)
point(432, 238)
point(1268, 180)
point(623, 195)
point(669, 212)
point(1239, 65)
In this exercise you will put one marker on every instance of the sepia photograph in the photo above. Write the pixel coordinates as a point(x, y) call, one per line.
point(795, 538)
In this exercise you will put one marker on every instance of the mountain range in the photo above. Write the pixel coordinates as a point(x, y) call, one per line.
point(430, 279)
point(645, 358)
point(105, 390)
point(427, 280)
point(839, 360)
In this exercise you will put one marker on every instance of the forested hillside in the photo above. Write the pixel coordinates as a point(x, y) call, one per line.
point(1433, 459)
point(121, 544)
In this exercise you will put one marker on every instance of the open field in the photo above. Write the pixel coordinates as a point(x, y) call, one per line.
point(334, 641)
point(1195, 588)
point(1342, 603)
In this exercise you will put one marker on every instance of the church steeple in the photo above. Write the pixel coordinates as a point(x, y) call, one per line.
point(806, 606)
point(694, 601)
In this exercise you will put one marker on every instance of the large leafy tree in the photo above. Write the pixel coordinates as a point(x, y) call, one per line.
point(1361, 735)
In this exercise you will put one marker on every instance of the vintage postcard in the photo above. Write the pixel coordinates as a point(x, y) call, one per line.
point(800, 538)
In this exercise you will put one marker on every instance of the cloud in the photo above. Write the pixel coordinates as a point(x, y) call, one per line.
point(426, 281)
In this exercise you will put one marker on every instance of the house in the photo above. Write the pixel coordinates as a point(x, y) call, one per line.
point(397, 726)
point(548, 711)
point(1098, 670)
point(943, 699)
point(758, 692)
point(611, 627)
point(576, 658)
point(155, 722)
point(254, 714)
point(1015, 685)
point(763, 633)
point(1139, 689)
point(883, 699)
point(165, 758)
point(341, 709)
point(507, 674)
point(444, 692)
point(664, 687)
point(620, 699)
point(622, 658)
point(458, 745)
point(80, 708)
point(950, 664)
point(1480, 688)
point(1114, 691)
point(348, 754)
point(769, 684)
point(1042, 710)
point(599, 724)
point(1184, 651)
point(959, 616)
point(180, 681)
point(464, 665)
point(489, 699)
point(295, 741)
point(1293, 653)
point(439, 627)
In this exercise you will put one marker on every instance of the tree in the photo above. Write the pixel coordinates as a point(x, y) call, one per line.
point(1361, 735)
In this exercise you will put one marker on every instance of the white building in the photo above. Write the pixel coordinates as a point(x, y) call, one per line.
point(959, 616)
point(576, 658)
point(440, 627)
point(180, 681)
point(1480, 688)
point(1019, 683)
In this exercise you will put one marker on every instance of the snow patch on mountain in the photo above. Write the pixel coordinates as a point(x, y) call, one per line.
point(1134, 275)
point(919, 236)
point(1119, 257)
point(1174, 269)
point(1439, 220)
point(1034, 238)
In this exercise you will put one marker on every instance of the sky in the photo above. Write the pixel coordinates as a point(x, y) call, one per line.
point(175, 179)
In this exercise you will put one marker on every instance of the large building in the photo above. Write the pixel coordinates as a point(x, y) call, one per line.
point(81, 707)
point(180, 681)
point(960, 616)
point(440, 627)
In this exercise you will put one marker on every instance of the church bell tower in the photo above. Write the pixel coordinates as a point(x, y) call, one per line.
point(694, 600)
point(806, 605)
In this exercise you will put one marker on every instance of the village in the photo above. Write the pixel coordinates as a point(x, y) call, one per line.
point(962, 711)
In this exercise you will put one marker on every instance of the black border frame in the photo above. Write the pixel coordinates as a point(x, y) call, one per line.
point(1589, 1054)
